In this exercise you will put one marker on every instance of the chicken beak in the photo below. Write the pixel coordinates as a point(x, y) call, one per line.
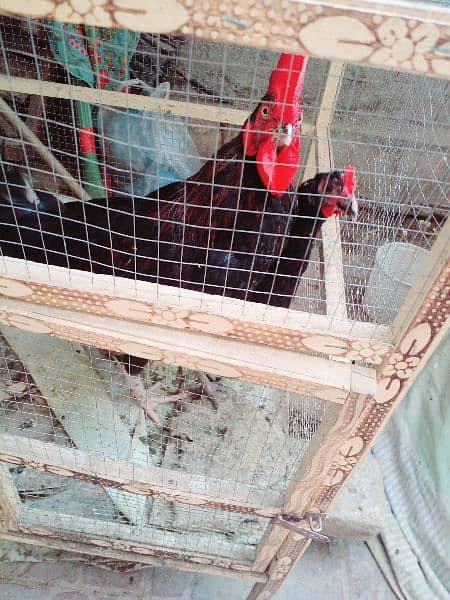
point(351, 208)
point(354, 209)
point(348, 207)
point(286, 134)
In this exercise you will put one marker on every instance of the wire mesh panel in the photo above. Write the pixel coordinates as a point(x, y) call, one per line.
point(68, 506)
point(398, 126)
point(217, 234)
point(230, 445)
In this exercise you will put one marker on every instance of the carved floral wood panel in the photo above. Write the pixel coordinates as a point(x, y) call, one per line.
point(359, 350)
point(124, 344)
point(406, 38)
point(129, 546)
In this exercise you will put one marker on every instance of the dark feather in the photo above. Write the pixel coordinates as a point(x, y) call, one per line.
point(217, 232)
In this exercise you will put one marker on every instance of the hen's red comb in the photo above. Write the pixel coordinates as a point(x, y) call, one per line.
point(349, 180)
point(286, 80)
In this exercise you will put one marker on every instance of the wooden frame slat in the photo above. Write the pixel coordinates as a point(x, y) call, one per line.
point(331, 235)
point(192, 110)
point(421, 325)
point(301, 373)
point(119, 551)
point(152, 481)
point(148, 303)
point(406, 36)
point(163, 541)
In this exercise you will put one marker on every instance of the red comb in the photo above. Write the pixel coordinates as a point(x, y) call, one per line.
point(286, 80)
point(349, 180)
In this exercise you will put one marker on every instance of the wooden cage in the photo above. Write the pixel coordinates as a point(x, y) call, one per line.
point(360, 370)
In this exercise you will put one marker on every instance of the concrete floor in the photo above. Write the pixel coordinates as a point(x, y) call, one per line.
point(342, 571)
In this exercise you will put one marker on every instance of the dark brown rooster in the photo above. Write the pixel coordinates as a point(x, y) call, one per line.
point(218, 232)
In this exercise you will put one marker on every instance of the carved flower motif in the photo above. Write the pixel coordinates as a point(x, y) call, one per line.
point(163, 15)
point(363, 353)
point(172, 317)
point(402, 48)
point(77, 10)
point(281, 568)
point(402, 367)
point(346, 460)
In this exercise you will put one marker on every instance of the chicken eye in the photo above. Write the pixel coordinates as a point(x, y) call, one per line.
point(265, 111)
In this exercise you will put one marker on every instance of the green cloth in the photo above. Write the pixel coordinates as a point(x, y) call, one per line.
point(97, 57)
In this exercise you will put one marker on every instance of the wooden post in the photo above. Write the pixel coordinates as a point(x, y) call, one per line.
point(320, 159)
point(331, 236)
point(274, 536)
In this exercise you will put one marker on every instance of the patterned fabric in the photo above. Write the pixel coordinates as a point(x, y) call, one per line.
point(96, 56)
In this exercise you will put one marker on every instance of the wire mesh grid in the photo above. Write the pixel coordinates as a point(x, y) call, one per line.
point(222, 233)
point(234, 441)
point(71, 506)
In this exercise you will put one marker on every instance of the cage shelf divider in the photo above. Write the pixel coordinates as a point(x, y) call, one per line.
point(152, 481)
point(420, 328)
point(314, 376)
point(153, 304)
point(90, 530)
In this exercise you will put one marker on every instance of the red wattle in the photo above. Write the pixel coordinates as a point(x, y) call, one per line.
point(278, 171)
point(328, 211)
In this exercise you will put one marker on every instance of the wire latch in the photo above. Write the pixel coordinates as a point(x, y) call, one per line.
point(309, 525)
